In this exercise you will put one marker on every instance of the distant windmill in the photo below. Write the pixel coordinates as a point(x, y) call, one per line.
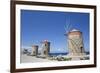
point(45, 48)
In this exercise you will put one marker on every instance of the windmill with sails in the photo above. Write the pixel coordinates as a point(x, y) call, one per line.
point(74, 41)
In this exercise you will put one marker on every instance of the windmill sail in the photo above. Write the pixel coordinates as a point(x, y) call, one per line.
point(67, 26)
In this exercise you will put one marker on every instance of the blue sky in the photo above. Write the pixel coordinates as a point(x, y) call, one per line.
point(37, 26)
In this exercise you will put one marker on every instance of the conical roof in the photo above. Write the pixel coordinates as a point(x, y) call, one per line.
point(74, 30)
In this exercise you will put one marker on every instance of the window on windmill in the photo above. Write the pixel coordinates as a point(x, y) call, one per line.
point(44, 52)
point(81, 48)
point(45, 44)
point(34, 52)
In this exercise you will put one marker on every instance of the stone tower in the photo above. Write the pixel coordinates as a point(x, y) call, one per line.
point(34, 50)
point(75, 43)
point(45, 48)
